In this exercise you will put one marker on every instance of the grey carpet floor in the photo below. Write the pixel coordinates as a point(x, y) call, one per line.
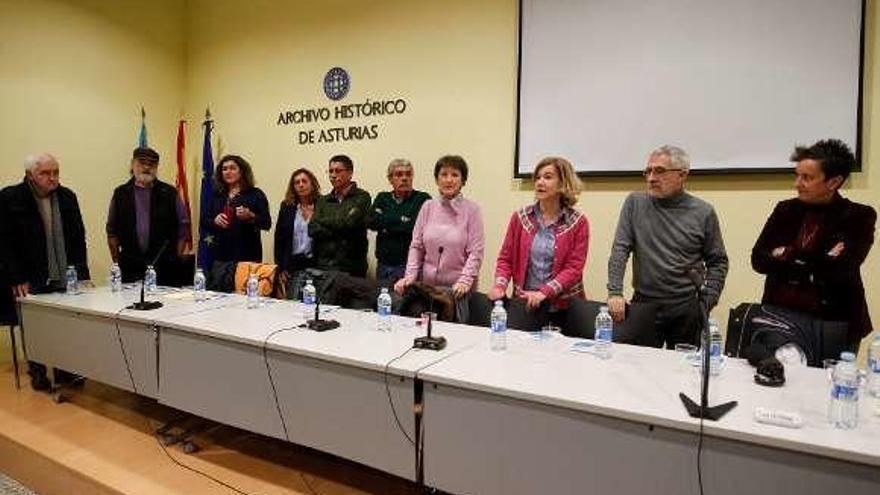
point(9, 486)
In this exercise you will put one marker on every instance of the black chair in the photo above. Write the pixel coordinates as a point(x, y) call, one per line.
point(773, 327)
point(9, 317)
point(479, 310)
point(637, 327)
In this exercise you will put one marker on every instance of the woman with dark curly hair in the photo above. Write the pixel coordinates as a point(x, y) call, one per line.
point(238, 211)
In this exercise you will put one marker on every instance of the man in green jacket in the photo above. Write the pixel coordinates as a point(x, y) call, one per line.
point(338, 227)
point(393, 217)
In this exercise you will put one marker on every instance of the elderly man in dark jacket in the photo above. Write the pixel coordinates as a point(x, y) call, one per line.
point(41, 234)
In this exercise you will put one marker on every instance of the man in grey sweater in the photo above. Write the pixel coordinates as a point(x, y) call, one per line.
point(669, 232)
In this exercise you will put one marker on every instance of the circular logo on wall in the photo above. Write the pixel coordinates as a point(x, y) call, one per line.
point(336, 83)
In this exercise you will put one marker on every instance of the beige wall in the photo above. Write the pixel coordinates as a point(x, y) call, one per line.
point(455, 63)
point(74, 73)
point(73, 76)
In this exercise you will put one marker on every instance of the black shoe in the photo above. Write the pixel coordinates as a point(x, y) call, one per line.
point(68, 379)
point(40, 383)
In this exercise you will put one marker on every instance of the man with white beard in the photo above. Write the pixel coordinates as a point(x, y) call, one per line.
point(146, 215)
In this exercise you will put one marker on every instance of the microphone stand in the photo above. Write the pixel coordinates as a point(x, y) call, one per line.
point(428, 341)
point(317, 324)
point(148, 305)
point(703, 410)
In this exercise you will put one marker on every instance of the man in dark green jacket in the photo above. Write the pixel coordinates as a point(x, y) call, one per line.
point(339, 226)
point(393, 217)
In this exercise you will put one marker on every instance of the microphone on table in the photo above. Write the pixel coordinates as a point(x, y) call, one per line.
point(428, 341)
point(149, 305)
point(317, 324)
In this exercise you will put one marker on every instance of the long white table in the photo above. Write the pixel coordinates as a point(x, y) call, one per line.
point(536, 418)
point(329, 390)
point(82, 333)
point(544, 419)
point(332, 387)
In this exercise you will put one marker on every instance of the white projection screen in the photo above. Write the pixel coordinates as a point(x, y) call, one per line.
point(736, 83)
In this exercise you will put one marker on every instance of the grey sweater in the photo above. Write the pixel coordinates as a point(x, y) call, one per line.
point(667, 236)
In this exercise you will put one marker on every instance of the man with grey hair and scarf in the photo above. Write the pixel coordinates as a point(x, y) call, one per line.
point(670, 233)
point(41, 234)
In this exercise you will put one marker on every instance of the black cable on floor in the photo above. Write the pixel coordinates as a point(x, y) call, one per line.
point(150, 426)
point(275, 395)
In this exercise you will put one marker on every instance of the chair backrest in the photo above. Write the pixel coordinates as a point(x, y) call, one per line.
point(480, 310)
point(637, 328)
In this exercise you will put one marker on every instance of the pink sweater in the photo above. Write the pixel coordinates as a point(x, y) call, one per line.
point(570, 255)
point(455, 225)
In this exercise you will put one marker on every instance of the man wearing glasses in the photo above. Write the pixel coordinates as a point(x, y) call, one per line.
point(670, 233)
point(339, 226)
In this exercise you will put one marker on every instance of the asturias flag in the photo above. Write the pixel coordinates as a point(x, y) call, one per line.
point(181, 183)
point(142, 138)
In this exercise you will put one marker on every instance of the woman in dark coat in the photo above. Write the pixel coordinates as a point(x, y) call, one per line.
point(812, 247)
point(293, 246)
point(237, 213)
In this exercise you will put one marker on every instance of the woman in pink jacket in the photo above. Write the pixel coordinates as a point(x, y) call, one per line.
point(545, 249)
point(447, 242)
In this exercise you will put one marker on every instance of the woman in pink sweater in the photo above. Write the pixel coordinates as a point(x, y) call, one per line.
point(545, 248)
point(447, 242)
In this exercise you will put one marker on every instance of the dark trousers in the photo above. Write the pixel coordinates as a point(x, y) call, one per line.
point(676, 323)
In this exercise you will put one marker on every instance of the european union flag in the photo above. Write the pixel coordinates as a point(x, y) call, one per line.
point(206, 240)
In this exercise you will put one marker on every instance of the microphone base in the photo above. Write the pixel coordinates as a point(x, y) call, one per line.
point(322, 325)
point(430, 343)
point(713, 413)
point(145, 305)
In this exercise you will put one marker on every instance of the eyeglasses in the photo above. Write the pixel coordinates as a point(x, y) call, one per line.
point(658, 171)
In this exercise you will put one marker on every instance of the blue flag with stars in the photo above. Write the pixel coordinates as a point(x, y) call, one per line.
point(206, 239)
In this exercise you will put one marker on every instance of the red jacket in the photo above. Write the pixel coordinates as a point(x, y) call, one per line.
point(570, 256)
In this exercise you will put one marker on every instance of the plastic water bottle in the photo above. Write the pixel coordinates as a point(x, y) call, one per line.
point(150, 280)
point(843, 410)
point(253, 291)
point(498, 337)
point(874, 367)
point(70, 277)
point(309, 300)
point(383, 306)
point(115, 277)
point(199, 285)
point(604, 333)
point(714, 348)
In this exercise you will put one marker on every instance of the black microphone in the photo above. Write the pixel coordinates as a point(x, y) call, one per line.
point(149, 305)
